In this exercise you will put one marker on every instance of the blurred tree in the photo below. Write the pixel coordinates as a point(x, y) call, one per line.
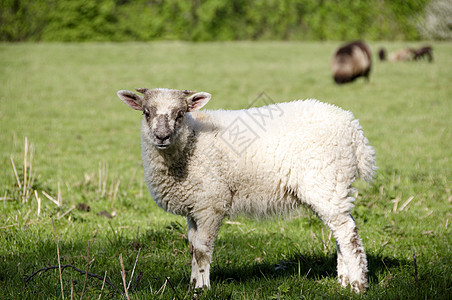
point(437, 22)
point(208, 20)
point(22, 20)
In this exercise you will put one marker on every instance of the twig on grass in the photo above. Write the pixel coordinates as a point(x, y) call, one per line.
point(58, 253)
point(72, 289)
point(133, 270)
point(172, 287)
point(123, 275)
point(140, 275)
point(74, 268)
point(103, 284)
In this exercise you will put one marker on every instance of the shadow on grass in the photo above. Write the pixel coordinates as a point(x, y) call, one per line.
point(164, 254)
point(308, 266)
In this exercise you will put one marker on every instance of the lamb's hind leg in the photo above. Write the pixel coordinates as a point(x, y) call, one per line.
point(351, 258)
point(201, 236)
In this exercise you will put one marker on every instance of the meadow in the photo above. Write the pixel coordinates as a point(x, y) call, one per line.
point(70, 168)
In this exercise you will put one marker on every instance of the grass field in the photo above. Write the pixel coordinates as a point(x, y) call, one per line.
point(61, 119)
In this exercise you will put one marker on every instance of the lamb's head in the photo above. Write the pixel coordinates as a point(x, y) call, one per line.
point(164, 110)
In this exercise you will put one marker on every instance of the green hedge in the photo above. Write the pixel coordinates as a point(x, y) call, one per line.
point(208, 20)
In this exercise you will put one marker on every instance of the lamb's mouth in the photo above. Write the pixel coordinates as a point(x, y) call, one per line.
point(162, 146)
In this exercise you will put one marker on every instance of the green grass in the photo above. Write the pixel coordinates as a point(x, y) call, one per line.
point(86, 141)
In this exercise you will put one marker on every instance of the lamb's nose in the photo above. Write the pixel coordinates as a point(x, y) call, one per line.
point(161, 136)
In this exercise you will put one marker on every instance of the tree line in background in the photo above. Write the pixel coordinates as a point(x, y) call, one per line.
point(209, 20)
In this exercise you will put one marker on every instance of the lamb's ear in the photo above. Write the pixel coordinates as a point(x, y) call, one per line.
point(131, 99)
point(198, 100)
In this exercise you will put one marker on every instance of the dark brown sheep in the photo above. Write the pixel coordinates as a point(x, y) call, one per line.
point(351, 61)
point(421, 52)
point(382, 54)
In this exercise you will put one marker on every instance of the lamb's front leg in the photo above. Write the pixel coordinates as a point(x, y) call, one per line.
point(201, 235)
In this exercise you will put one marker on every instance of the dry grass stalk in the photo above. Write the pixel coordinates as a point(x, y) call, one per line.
point(26, 182)
point(27, 214)
point(103, 178)
point(86, 274)
point(59, 260)
point(39, 203)
point(133, 270)
point(68, 211)
point(72, 289)
point(5, 197)
point(8, 226)
point(396, 203)
point(103, 284)
point(427, 215)
point(30, 176)
point(28, 171)
point(405, 205)
point(325, 243)
point(132, 178)
point(25, 165)
point(162, 288)
point(232, 223)
point(51, 198)
point(59, 198)
point(15, 172)
point(123, 275)
point(116, 189)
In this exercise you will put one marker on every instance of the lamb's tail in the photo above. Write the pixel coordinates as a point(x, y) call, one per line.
point(365, 154)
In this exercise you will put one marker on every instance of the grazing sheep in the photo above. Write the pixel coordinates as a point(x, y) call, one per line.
point(401, 55)
point(407, 54)
point(208, 165)
point(351, 61)
point(421, 52)
point(382, 54)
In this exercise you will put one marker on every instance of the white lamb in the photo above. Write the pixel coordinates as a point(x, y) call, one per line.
point(208, 165)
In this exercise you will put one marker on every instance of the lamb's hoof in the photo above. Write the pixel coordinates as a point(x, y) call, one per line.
point(343, 280)
point(357, 287)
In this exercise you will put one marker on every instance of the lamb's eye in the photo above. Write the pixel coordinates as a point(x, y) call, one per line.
point(146, 112)
point(180, 115)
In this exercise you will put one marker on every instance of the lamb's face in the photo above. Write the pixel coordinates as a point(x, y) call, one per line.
point(164, 111)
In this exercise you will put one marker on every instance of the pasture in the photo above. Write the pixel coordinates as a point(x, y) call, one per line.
point(66, 135)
